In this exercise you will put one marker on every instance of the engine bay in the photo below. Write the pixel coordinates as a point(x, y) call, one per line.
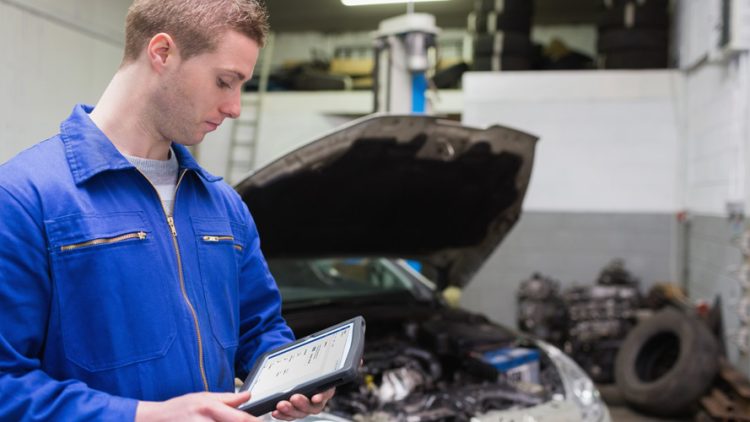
point(437, 370)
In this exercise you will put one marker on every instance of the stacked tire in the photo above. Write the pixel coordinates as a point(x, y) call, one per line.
point(634, 34)
point(501, 31)
point(667, 363)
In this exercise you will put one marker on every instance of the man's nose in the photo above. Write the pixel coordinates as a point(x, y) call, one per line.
point(232, 107)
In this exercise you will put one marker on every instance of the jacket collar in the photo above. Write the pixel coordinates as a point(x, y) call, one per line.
point(89, 151)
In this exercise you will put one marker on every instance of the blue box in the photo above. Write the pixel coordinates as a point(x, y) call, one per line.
point(516, 364)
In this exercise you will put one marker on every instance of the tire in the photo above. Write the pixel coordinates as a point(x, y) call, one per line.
point(633, 15)
point(472, 26)
point(574, 60)
point(666, 363)
point(498, 21)
point(513, 7)
point(490, 22)
point(312, 80)
point(499, 62)
point(505, 43)
point(635, 60)
point(650, 4)
point(450, 77)
point(632, 39)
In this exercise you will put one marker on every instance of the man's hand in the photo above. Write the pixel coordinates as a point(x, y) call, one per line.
point(204, 407)
point(299, 406)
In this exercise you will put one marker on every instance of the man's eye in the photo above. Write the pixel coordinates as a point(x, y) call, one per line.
point(221, 84)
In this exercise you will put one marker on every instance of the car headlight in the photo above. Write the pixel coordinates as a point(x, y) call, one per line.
point(578, 386)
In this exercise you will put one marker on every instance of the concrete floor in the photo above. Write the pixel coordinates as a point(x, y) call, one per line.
point(620, 412)
point(625, 414)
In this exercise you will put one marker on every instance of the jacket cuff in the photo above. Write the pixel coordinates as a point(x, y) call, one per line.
point(122, 408)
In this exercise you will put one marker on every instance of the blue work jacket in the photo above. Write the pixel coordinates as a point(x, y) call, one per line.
point(104, 300)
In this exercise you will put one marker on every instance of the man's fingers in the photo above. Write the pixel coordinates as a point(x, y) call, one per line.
point(277, 414)
point(224, 410)
point(220, 412)
point(232, 399)
point(300, 406)
point(294, 408)
point(323, 397)
point(218, 407)
point(305, 405)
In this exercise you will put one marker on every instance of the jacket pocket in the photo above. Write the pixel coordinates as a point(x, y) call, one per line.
point(140, 235)
point(113, 299)
point(219, 245)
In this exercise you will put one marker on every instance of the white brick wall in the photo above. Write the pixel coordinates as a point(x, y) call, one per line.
point(608, 140)
point(715, 169)
point(716, 134)
point(47, 66)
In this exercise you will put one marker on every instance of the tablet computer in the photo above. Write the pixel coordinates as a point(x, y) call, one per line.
point(307, 366)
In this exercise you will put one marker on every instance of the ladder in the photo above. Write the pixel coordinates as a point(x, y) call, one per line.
point(243, 141)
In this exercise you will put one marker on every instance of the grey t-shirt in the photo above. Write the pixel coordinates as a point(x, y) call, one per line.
point(162, 174)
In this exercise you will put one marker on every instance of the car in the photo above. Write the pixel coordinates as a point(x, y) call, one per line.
point(384, 218)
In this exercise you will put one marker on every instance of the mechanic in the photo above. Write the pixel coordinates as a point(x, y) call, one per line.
point(132, 284)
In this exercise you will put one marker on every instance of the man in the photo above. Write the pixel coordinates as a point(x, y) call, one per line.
point(132, 285)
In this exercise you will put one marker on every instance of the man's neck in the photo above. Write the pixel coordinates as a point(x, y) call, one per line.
point(122, 114)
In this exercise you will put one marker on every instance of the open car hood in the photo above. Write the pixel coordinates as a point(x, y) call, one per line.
point(415, 187)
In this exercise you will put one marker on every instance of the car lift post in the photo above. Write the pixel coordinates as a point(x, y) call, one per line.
point(401, 62)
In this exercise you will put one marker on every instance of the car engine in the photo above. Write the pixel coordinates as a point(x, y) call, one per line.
point(588, 322)
point(600, 317)
point(541, 310)
point(431, 371)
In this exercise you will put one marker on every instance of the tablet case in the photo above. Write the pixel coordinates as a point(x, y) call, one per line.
point(348, 372)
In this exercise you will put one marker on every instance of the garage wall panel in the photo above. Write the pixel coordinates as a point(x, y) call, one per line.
point(714, 261)
point(696, 22)
point(572, 248)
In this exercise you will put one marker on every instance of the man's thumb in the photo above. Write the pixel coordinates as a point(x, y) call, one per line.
point(234, 399)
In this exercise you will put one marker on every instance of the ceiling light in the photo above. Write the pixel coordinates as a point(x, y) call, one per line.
point(372, 2)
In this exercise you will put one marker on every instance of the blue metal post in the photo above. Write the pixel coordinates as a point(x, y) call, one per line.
point(418, 90)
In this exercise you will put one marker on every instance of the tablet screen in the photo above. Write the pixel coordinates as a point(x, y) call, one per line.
point(304, 362)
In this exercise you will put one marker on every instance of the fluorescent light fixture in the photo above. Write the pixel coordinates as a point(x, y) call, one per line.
point(372, 2)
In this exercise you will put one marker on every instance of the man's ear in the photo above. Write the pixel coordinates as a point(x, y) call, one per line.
point(160, 51)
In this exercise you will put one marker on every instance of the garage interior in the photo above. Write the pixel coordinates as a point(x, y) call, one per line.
point(637, 161)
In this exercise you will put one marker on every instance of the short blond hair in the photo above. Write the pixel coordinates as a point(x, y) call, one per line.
point(194, 25)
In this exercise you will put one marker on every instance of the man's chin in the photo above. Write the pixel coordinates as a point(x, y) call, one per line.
point(190, 142)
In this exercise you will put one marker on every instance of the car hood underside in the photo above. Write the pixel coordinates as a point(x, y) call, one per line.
point(399, 186)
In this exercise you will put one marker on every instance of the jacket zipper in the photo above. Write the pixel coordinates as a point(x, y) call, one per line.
point(214, 239)
point(104, 241)
point(173, 230)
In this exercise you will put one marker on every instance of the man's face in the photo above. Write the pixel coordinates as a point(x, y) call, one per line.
point(197, 94)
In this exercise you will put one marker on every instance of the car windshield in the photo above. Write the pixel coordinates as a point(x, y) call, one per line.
point(325, 279)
